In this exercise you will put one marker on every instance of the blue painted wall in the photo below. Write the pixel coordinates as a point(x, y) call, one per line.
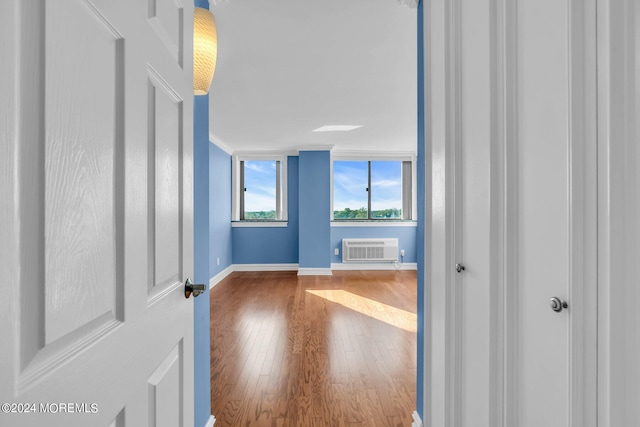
point(220, 237)
point(420, 237)
point(271, 245)
point(315, 209)
point(281, 245)
point(201, 335)
point(406, 239)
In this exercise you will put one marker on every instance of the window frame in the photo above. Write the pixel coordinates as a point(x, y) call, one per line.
point(374, 157)
point(281, 188)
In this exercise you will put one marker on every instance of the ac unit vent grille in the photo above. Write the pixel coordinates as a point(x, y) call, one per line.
point(369, 250)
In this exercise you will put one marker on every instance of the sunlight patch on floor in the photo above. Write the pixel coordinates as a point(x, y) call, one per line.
point(380, 311)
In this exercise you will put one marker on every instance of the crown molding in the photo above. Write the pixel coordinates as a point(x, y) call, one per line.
point(264, 153)
point(221, 145)
point(373, 154)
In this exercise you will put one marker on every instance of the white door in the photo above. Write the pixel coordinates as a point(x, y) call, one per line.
point(511, 109)
point(96, 214)
point(474, 230)
point(552, 205)
point(543, 206)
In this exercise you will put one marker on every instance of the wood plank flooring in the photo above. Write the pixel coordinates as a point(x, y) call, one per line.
point(314, 351)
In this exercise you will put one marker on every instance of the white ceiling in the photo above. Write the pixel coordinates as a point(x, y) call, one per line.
point(286, 67)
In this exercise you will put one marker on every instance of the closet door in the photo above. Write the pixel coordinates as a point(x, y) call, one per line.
point(511, 122)
point(551, 179)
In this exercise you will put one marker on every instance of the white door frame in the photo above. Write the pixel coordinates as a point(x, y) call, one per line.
point(619, 213)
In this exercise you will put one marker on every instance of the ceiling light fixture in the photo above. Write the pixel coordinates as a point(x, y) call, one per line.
point(205, 50)
point(337, 128)
point(411, 3)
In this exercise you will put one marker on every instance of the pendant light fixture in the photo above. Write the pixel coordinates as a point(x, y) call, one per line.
point(205, 50)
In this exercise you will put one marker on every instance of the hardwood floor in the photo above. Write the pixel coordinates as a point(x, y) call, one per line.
point(314, 350)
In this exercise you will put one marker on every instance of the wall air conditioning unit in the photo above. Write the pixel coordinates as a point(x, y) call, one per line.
point(360, 250)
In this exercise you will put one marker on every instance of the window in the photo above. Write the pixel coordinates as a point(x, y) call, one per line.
point(259, 189)
point(260, 195)
point(372, 190)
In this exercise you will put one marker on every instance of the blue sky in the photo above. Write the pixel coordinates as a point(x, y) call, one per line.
point(349, 187)
point(260, 182)
point(350, 183)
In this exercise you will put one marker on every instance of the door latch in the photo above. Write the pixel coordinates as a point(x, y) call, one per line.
point(190, 288)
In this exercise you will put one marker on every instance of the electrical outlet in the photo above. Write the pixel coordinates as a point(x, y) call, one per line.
point(401, 252)
point(336, 251)
point(217, 261)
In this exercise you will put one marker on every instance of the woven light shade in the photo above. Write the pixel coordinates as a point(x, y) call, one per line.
point(205, 50)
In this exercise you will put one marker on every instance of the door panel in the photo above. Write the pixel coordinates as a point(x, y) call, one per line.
point(473, 228)
point(96, 237)
point(83, 156)
point(543, 213)
point(165, 157)
point(166, 17)
point(165, 391)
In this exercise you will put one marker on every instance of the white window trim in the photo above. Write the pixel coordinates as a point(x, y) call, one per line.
point(394, 157)
point(252, 223)
point(235, 183)
point(374, 223)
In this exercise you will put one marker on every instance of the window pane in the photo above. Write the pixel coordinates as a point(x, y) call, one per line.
point(260, 194)
point(386, 190)
point(350, 179)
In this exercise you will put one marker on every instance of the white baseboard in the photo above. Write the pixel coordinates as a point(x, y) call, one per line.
point(314, 272)
point(211, 421)
point(220, 276)
point(417, 422)
point(374, 266)
point(307, 271)
point(265, 267)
